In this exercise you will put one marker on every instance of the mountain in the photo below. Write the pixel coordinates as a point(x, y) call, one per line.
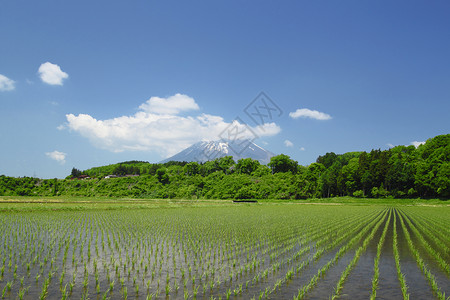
point(210, 150)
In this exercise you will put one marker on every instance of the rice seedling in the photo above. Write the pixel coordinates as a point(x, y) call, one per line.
point(21, 293)
point(9, 285)
point(4, 292)
point(377, 259)
point(400, 275)
point(44, 291)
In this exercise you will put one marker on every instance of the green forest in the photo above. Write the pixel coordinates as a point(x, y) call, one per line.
point(400, 172)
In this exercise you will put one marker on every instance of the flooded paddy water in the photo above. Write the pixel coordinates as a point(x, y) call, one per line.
point(225, 252)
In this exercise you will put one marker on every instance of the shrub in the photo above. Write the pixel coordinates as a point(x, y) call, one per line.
point(358, 194)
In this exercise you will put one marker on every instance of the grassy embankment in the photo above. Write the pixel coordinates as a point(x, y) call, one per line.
point(17, 203)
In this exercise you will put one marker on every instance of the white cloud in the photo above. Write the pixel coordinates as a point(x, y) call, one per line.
point(267, 129)
point(288, 143)
point(52, 74)
point(171, 105)
point(308, 113)
point(157, 127)
point(417, 144)
point(6, 84)
point(390, 145)
point(302, 148)
point(58, 156)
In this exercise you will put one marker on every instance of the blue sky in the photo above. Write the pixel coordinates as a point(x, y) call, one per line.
point(90, 83)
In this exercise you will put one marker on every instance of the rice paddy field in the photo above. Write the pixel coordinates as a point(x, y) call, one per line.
point(224, 251)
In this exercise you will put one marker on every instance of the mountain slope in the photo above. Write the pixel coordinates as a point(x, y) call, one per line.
point(210, 150)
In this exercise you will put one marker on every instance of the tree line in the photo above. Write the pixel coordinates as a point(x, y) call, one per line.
point(400, 172)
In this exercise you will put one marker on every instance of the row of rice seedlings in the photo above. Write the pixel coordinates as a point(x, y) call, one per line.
point(266, 273)
point(302, 292)
point(433, 253)
point(80, 251)
point(356, 257)
point(400, 275)
point(257, 276)
point(430, 277)
point(288, 247)
point(438, 237)
point(332, 233)
point(438, 220)
point(285, 251)
point(439, 225)
point(342, 232)
point(75, 245)
point(266, 270)
point(376, 268)
point(11, 240)
point(21, 248)
point(294, 270)
point(321, 233)
point(42, 264)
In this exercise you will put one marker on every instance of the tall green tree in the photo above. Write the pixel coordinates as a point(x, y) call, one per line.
point(162, 176)
point(283, 163)
point(192, 168)
point(328, 159)
point(75, 172)
point(247, 166)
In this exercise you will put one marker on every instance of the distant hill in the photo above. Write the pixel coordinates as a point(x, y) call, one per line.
point(124, 168)
point(399, 172)
point(209, 150)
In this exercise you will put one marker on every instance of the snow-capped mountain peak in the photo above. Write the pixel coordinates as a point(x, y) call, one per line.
point(209, 150)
